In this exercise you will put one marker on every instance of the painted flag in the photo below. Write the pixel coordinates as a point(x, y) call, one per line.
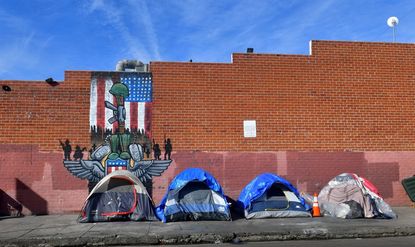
point(137, 104)
point(115, 165)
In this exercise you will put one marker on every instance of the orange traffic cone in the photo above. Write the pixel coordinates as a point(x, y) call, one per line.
point(316, 208)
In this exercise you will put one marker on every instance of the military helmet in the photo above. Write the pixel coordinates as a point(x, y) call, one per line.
point(119, 89)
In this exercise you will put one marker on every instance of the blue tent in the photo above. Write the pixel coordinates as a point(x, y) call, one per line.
point(269, 196)
point(194, 194)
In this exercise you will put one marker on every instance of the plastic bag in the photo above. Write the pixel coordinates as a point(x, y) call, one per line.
point(356, 210)
point(339, 210)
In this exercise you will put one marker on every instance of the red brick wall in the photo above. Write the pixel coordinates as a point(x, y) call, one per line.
point(325, 113)
point(346, 96)
point(348, 107)
point(34, 117)
point(308, 171)
point(34, 112)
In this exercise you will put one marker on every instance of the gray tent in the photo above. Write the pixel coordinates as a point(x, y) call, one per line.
point(118, 196)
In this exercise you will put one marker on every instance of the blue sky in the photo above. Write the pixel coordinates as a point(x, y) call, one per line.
point(43, 38)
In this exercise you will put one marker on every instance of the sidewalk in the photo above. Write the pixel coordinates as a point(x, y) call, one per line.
point(63, 230)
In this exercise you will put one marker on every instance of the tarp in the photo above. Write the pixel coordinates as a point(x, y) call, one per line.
point(181, 180)
point(258, 186)
point(345, 193)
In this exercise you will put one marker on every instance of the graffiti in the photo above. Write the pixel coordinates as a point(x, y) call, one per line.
point(123, 141)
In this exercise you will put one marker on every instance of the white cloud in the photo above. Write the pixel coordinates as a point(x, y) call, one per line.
point(220, 27)
point(146, 19)
point(129, 19)
point(23, 52)
point(288, 33)
point(96, 5)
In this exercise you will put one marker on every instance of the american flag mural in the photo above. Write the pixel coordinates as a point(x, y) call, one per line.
point(137, 104)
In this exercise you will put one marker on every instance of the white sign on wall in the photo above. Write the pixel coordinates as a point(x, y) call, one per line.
point(249, 128)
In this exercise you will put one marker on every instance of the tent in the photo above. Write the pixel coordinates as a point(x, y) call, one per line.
point(118, 196)
point(194, 194)
point(350, 196)
point(270, 196)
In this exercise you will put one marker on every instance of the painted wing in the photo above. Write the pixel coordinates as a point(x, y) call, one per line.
point(85, 169)
point(146, 169)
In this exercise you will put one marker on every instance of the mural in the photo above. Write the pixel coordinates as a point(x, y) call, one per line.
point(120, 130)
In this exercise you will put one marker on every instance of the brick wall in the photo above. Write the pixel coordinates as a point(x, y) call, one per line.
point(345, 96)
point(336, 110)
point(35, 112)
point(34, 117)
point(347, 107)
point(309, 171)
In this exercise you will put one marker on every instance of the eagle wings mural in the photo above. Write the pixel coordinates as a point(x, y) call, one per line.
point(94, 170)
point(119, 151)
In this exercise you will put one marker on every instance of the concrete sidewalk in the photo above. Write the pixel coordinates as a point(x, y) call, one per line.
point(63, 230)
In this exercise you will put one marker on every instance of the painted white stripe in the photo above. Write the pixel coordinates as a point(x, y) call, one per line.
point(127, 115)
point(93, 103)
point(141, 115)
point(108, 97)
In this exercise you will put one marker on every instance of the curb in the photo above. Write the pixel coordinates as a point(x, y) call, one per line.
point(213, 238)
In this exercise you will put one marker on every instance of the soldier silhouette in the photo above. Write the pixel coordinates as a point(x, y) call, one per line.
point(156, 150)
point(147, 149)
point(67, 149)
point(92, 149)
point(167, 148)
point(78, 154)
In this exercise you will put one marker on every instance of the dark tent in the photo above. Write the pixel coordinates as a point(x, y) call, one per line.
point(118, 196)
point(270, 196)
point(194, 194)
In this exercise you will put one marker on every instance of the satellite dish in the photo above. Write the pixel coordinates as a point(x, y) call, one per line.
point(393, 21)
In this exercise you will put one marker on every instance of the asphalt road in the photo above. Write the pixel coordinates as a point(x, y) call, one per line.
point(359, 242)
